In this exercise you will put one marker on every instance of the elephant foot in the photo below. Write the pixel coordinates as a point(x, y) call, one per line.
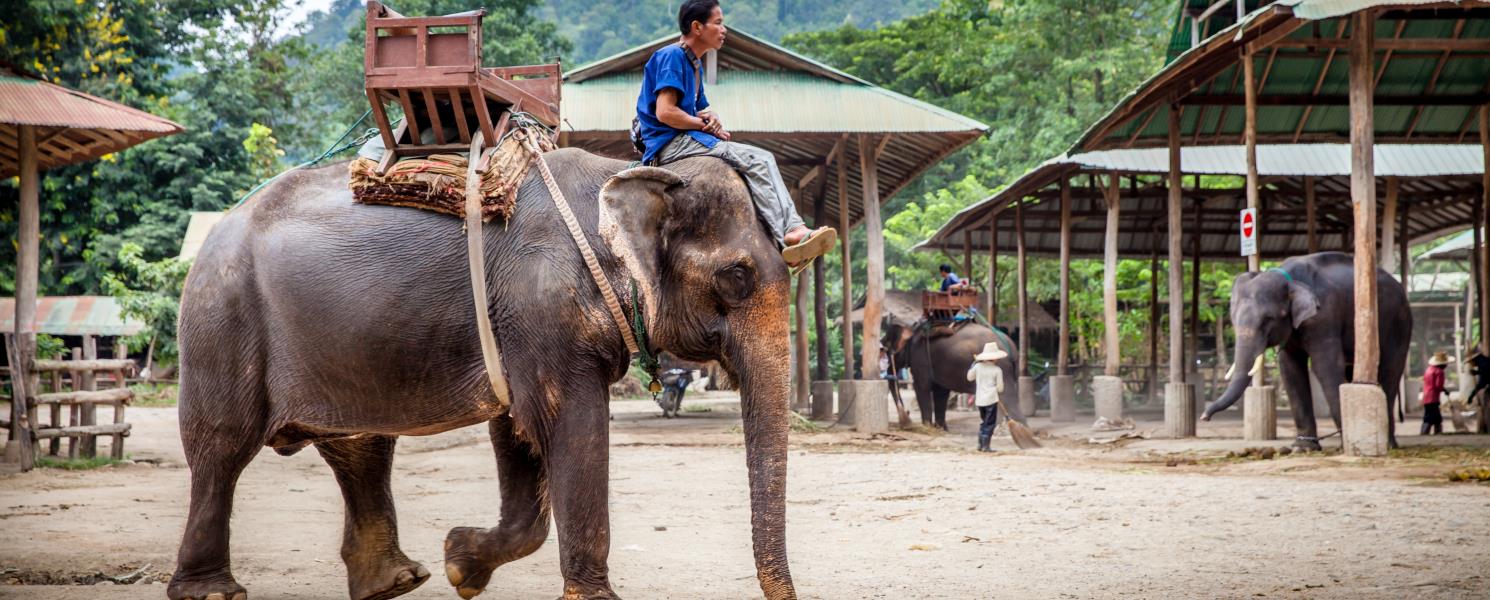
point(573, 591)
point(383, 577)
point(464, 567)
point(221, 587)
point(1307, 444)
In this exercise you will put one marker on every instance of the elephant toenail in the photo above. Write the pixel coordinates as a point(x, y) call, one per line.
point(404, 578)
point(420, 571)
point(216, 596)
point(240, 596)
point(467, 593)
point(453, 573)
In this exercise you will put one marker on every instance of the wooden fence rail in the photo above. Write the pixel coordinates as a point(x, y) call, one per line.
point(73, 399)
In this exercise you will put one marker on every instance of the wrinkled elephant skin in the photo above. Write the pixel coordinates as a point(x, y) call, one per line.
point(307, 319)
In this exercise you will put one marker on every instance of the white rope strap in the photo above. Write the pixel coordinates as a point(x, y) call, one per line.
point(612, 304)
point(475, 253)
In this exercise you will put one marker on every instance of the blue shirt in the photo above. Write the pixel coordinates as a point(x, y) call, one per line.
point(949, 281)
point(671, 67)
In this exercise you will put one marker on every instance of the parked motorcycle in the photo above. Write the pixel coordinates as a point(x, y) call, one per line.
point(674, 383)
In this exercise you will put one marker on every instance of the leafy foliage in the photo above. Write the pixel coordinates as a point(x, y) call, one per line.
point(151, 293)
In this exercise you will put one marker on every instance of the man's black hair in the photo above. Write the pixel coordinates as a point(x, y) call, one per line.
point(695, 10)
point(946, 268)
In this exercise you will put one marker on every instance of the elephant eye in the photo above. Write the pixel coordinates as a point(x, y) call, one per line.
point(734, 283)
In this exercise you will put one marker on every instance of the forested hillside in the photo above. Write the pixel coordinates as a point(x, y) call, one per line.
point(256, 101)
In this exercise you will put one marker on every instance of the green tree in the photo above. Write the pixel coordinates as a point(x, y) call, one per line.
point(151, 292)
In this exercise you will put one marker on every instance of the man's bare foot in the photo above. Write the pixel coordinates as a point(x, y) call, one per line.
point(809, 244)
point(799, 232)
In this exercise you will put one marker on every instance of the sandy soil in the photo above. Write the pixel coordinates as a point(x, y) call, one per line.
point(909, 515)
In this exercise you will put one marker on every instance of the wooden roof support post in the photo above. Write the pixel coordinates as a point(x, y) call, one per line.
point(1023, 365)
point(874, 286)
point(991, 305)
point(1111, 349)
point(820, 293)
point(1484, 211)
point(1249, 135)
point(1153, 328)
point(1063, 351)
point(1389, 227)
point(1311, 216)
point(1176, 232)
point(1363, 194)
point(844, 232)
point(27, 267)
point(801, 368)
point(967, 254)
point(1404, 264)
point(1477, 277)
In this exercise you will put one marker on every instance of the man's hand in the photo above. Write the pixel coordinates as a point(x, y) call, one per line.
point(714, 126)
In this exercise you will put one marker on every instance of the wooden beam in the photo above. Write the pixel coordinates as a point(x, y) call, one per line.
point(1389, 225)
point(874, 286)
point(1023, 364)
point(27, 271)
point(1111, 348)
point(1443, 59)
point(967, 254)
point(1176, 224)
point(1249, 136)
point(993, 269)
point(1310, 217)
point(1363, 195)
point(820, 289)
point(1063, 351)
point(847, 326)
point(801, 372)
point(1485, 220)
point(1396, 45)
point(1334, 100)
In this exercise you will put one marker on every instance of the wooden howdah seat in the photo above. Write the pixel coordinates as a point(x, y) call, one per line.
point(945, 306)
point(430, 67)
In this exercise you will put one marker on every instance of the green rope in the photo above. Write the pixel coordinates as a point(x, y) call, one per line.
point(644, 355)
point(337, 147)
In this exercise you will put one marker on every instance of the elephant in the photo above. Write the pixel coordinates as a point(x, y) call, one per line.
point(1306, 308)
point(308, 320)
point(938, 357)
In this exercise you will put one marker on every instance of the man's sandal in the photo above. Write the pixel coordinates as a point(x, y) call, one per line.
point(817, 243)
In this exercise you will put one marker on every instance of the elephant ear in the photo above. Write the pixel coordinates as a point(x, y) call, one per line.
point(634, 206)
point(1303, 303)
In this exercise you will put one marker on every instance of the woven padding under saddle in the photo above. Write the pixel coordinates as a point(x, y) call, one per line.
point(438, 182)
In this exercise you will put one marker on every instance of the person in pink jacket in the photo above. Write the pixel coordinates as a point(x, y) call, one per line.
point(1433, 382)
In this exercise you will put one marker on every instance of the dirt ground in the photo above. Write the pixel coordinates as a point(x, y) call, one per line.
point(908, 515)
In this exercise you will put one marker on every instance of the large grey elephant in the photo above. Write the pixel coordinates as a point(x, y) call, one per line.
point(938, 357)
point(309, 320)
point(1306, 307)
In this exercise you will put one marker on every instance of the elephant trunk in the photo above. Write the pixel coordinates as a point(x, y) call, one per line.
point(765, 388)
point(1248, 353)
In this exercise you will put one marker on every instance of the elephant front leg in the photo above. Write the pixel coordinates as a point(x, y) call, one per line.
point(472, 553)
point(377, 568)
point(1293, 366)
point(922, 384)
point(1328, 364)
point(939, 397)
point(577, 459)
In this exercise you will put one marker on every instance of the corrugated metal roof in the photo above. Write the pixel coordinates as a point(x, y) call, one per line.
point(197, 228)
point(1456, 248)
point(1429, 205)
point(1425, 94)
point(71, 126)
point(1404, 160)
point(770, 102)
point(73, 315)
point(793, 106)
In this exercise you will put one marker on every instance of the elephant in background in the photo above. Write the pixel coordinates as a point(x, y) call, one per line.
point(1306, 308)
point(938, 356)
point(307, 319)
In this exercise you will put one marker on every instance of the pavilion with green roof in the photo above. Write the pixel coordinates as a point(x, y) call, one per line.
point(845, 146)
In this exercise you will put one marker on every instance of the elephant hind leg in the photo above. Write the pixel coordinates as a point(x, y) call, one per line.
point(219, 444)
point(377, 568)
point(472, 553)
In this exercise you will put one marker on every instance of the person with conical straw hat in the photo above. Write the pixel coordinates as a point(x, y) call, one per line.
point(989, 379)
point(1433, 390)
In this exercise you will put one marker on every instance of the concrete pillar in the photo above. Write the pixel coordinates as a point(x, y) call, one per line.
point(822, 400)
point(1179, 410)
point(1321, 405)
point(1107, 390)
point(846, 402)
point(1363, 419)
point(1260, 413)
point(1062, 399)
point(1027, 396)
point(871, 406)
